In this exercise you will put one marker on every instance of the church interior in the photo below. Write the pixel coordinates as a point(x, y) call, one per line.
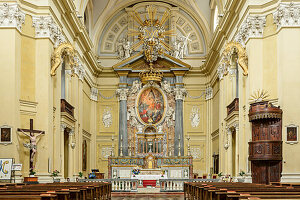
point(148, 94)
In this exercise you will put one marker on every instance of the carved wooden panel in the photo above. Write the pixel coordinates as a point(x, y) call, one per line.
point(265, 149)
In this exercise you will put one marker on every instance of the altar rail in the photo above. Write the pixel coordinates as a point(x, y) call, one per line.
point(131, 185)
point(177, 185)
point(118, 185)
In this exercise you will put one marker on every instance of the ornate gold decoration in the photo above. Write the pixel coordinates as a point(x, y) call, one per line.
point(259, 96)
point(242, 55)
point(64, 50)
point(151, 34)
point(151, 75)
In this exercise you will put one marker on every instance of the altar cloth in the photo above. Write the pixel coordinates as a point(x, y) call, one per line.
point(148, 177)
point(149, 183)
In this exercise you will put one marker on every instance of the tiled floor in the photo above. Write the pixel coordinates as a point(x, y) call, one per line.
point(147, 196)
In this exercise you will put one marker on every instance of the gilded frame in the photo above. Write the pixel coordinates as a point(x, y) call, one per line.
point(291, 131)
point(2, 129)
point(137, 105)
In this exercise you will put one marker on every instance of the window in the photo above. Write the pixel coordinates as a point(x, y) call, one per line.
point(63, 81)
point(216, 17)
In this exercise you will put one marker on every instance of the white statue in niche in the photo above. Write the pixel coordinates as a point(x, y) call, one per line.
point(195, 117)
point(127, 49)
point(165, 85)
point(170, 117)
point(131, 116)
point(124, 49)
point(140, 128)
point(186, 174)
point(107, 117)
point(181, 47)
point(120, 49)
point(114, 173)
point(176, 49)
point(136, 86)
point(160, 129)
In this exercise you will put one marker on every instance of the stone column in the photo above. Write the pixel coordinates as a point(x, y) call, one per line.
point(180, 93)
point(122, 93)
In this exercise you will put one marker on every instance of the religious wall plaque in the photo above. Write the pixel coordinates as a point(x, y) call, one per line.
point(151, 106)
point(291, 134)
point(5, 132)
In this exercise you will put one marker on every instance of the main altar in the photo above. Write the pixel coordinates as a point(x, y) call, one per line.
point(151, 94)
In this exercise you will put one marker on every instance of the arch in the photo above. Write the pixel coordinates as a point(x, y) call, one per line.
point(63, 50)
point(103, 20)
point(237, 47)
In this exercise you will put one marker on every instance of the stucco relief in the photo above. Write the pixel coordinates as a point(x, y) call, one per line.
point(132, 117)
point(287, 15)
point(11, 16)
point(252, 27)
point(107, 117)
point(195, 117)
point(106, 152)
point(170, 117)
point(196, 152)
point(45, 27)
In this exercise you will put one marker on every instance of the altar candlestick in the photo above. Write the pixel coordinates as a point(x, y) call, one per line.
point(121, 147)
point(179, 147)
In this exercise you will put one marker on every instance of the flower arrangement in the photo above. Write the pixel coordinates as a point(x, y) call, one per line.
point(32, 172)
point(220, 174)
point(242, 173)
point(55, 173)
point(136, 171)
point(80, 174)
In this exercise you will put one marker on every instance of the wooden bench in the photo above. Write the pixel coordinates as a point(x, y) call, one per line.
point(228, 191)
point(60, 191)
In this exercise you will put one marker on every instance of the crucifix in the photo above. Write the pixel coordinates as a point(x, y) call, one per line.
point(33, 134)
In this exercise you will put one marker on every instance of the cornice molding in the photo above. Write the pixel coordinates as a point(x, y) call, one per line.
point(287, 15)
point(11, 16)
point(45, 27)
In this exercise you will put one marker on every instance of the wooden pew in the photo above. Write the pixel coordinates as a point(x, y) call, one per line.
point(224, 191)
point(61, 191)
point(29, 197)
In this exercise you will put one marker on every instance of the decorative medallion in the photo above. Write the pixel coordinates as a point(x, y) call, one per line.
point(151, 106)
point(196, 152)
point(106, 152)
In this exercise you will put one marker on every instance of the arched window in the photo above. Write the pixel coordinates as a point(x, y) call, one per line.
point(216, 18)
point(63, 81)
point(86, 20)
